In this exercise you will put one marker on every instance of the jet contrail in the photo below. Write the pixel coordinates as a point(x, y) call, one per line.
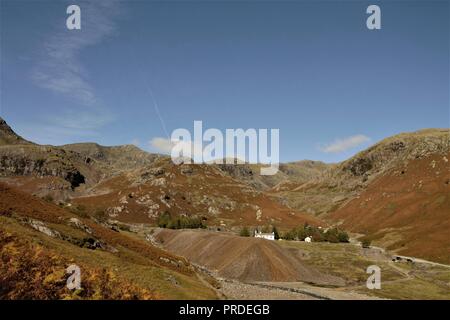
point(152, 96)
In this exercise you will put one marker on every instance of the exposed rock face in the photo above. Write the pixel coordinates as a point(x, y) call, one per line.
point(75, 222)
point(298, 172)
point(38, 161)
point(237, 170)
point(82, 163)
point(112, 159)
point(41, 227)
point(392, 152)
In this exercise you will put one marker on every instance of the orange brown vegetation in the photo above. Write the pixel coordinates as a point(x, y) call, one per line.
point(13, 201)
point(201, 190)
point(406, 209)
point(33, 272)
point(122, 267)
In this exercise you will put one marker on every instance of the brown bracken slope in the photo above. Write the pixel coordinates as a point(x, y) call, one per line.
point(38, 240)
point(406, 209)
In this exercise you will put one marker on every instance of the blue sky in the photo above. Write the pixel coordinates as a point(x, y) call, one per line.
point(310, 68)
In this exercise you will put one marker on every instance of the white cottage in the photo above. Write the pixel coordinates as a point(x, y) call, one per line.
point(267, 236)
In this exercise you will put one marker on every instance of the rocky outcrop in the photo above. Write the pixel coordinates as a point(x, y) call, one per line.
point(38, 161)
point(112, 159)
point(346, 180)
point(8, 136)
point(392, 152)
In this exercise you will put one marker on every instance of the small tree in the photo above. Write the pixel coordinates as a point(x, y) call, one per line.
point(301, 233)
point(164, 220)
point(316, 233)
point(244, 232)
point(332, 235)
point(366, 243)
point(343, 236)
point(290, 235)
point(275, 233)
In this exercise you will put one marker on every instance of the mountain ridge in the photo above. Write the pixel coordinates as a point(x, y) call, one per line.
point(407, 173)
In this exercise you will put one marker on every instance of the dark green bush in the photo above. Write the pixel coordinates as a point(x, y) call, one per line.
point(180, 222)
point(275, 233)
point(244, 232)
point(333, 235)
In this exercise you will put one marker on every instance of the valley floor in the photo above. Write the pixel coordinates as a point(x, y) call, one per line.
point(339, 270)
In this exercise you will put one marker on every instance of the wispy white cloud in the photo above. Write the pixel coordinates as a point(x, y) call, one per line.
point(58, 68)
point(341, 145)
point(165, 145)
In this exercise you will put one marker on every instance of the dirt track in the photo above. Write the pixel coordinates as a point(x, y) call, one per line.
point(239, 290)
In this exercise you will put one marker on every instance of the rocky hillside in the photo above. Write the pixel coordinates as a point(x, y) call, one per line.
point(341, 182)
point(292, 172)
point(112, 159)
point(8, 136)
point(406, 209)
point(40, 161)
point(71, 166)
point(127, 184)
point(205, 191)
point(39, 240)
point(395, 192)
point(407, 175)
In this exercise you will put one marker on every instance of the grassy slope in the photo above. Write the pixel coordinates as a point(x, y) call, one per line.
point(137, 265)
point(398, 280)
